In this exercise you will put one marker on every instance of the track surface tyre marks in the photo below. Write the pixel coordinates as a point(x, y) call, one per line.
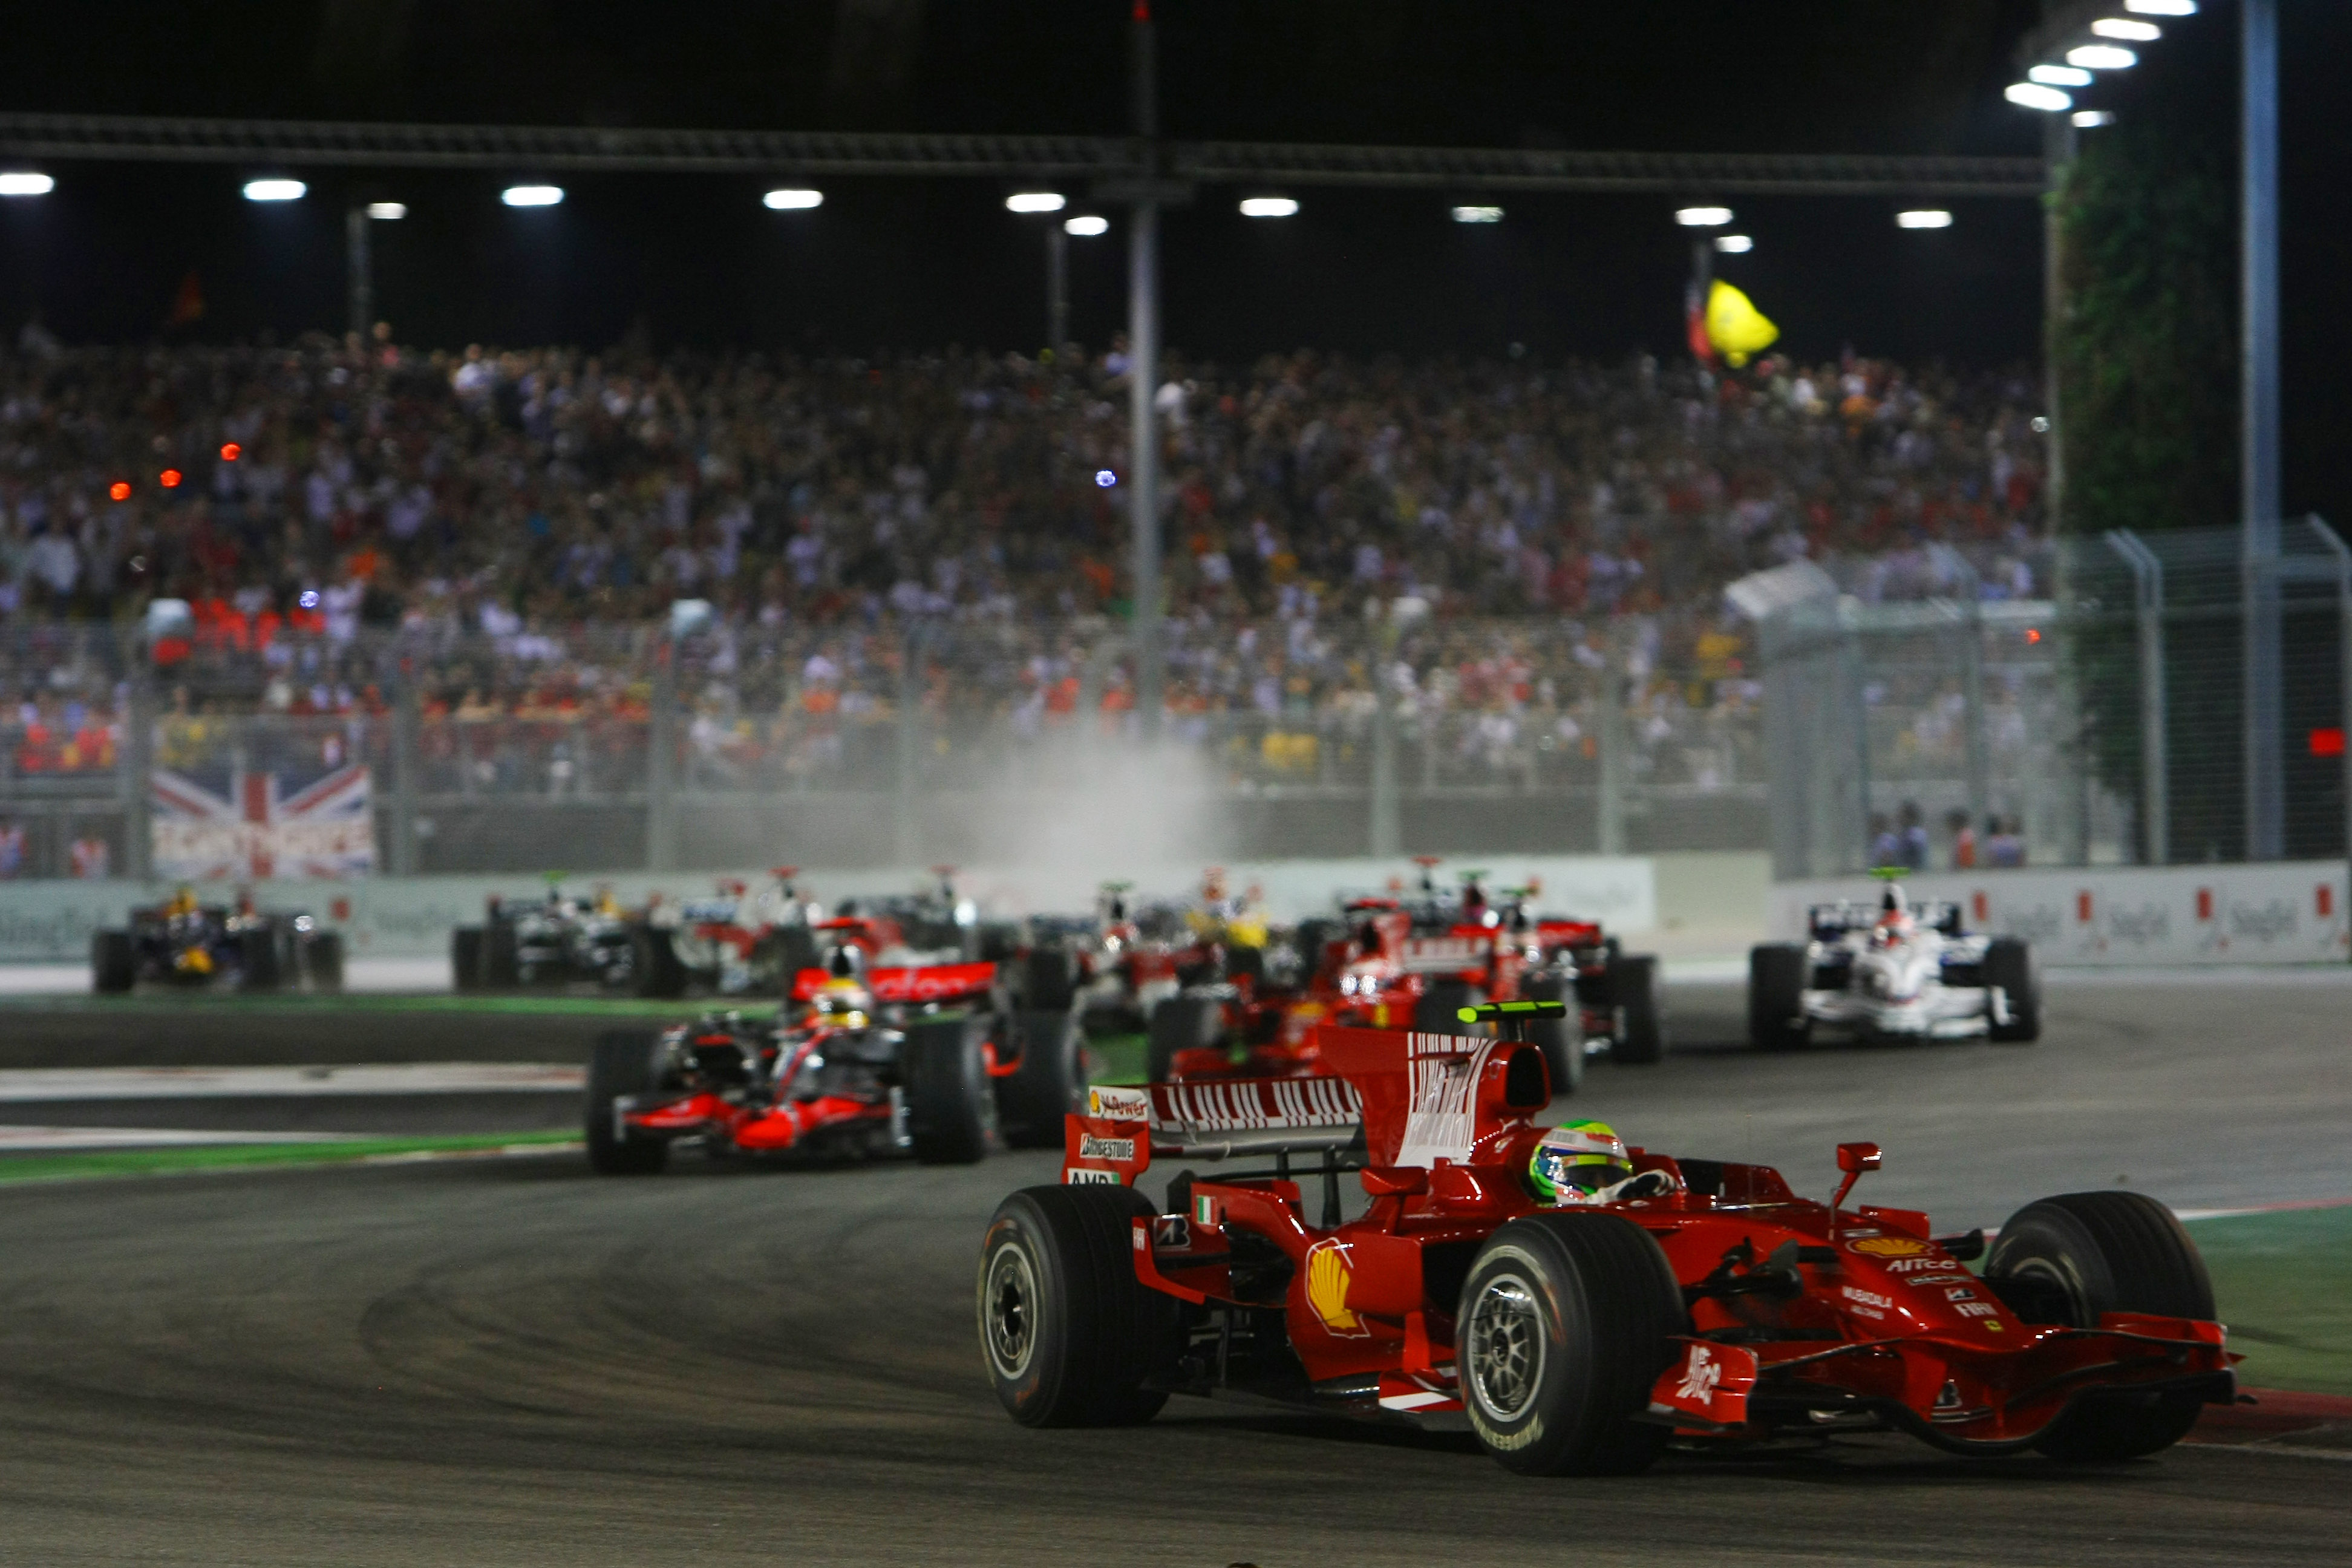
point(1067, 1333)
point(1567, 1319)
point(2069, 1258)
point(624, 1063)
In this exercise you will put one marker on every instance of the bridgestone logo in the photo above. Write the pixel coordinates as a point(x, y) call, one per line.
point(1092, 1148)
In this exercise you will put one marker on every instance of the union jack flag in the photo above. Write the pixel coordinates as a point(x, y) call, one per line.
point(326, 829)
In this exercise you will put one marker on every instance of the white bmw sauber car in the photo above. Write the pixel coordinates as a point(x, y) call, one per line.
point(1895, 969)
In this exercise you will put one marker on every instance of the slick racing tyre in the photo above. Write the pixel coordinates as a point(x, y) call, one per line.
point(466, 958)
point(114, 962)
point(1048, 1085)
point(1777, 973)
point(626, 1062)
point(1069, 1336)
point(1439, 1010)
point(1181, 1024)
point(1560, 1039)
point(1049, 980)
point(654, 968)
point(261, 955)
point(501, 955)
point(323, 960)
point(1639, 993)
point(950, 1103)
point(1565, 1323)
point(2009, 964)
point(2065, 1260)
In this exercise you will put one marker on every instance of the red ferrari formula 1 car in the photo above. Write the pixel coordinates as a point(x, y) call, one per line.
point(1717, 1309)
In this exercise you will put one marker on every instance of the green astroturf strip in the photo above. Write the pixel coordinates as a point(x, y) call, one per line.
point(2283, 1284)
point(224, 1156)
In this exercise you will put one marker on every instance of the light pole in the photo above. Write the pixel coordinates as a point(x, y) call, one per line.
point(359, 271)
point(1143, 375)
point(2259, 324)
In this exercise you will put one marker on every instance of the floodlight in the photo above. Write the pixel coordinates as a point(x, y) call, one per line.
point(2060, 76)
point(1703, 217)
point(1734, 244)
point(387, 212)
point(1477, 214)
point(792, 201)
point(1034, 202)
point(2162, 7)
point(2132, 32)
point(2102, 58)
point(1086, 225)
point(274, 190)
point(2091, 118)
point(1923, 217)
point(1269, 206)
point(25, 182)
point(532, 195)
point(2033, 95)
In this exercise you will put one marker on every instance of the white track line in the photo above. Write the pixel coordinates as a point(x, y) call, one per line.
point(28, 1085)
point(49, 1140)
point(362, 976)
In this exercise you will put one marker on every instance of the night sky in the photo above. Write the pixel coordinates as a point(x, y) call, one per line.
point(695, 259)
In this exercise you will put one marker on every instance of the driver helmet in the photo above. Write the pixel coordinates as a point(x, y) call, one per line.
point(184, 902)
point(1574, 1162)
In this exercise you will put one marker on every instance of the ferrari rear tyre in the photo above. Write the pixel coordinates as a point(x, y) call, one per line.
point(626, 1062)
point(1181, 1024)
point(1639, 991)
point(114, 962)
point(1560, 1039)
point(654, 968)
point(323, 960)
point(950, 1103)
point(1049, 1084)
point(2009, 964)
point(2066, 1260)
point(1777, 973)
point(1069, 1336)
point(1566, 1321)
point(1439, 1010)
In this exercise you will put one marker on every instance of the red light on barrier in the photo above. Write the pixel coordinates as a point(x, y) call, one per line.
point(2033, 633)
point(231, 452)
point(2327, 742)
point(119, 489)
point(169, 479)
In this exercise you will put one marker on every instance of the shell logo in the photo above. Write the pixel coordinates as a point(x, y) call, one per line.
point(1889, 1247)
point(1327, 1289)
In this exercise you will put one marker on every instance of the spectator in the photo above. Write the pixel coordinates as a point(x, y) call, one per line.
point(2003, 845)
point(11, 850)
point(1964, 840)
point(1911, 843)
point(92, 857)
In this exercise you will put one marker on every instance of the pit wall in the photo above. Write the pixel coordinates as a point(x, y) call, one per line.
point(2288, 913)
point(410, 916)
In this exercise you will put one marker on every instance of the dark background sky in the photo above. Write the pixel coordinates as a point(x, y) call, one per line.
point(695, 259)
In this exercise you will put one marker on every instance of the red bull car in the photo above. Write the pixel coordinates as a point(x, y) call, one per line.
point(1717, 1310)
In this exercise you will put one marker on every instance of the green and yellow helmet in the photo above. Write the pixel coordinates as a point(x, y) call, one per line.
point(1576, 1159)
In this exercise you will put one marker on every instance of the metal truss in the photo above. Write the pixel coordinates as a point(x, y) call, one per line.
point(526, 149)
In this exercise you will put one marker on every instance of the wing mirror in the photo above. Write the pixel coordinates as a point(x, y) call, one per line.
point(1853, 1159)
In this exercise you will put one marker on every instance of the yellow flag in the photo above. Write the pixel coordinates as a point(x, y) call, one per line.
point(1735, 326)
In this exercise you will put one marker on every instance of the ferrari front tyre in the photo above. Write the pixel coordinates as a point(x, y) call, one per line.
point(626, 1062)
point(114, 962)
point(1069, 1336)
point(1181, 1024)
point(1561, 1040)
point(950, 1103)
point(2067, 1259)
point(1565, 1322)
point(1048, 1084)
point(654, 968)
point(2009, 964)
point(1777, 973)
point(1639, 991)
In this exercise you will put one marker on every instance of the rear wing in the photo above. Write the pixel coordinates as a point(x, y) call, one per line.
point(1398, 1099)
point(930, 982)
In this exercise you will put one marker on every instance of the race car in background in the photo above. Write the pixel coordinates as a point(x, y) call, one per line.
point(927, 1060)
point(738, 942)
point(1698, 1302)
point(559, 939)
point(1892, 969)
point(186, 943)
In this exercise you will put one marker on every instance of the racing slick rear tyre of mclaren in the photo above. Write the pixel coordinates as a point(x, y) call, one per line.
point(1777, 973)
point(114, 962)
point(2009, 964)
point(1049, 1084)
point(1561, 1040)
point(1069, 1336)
point(1049, 980)
point(626, 1062)
point(1565, 1323)
point(1439, 1010)
point(1639, 991)
point(466, 958)
point(950, 1101)
point(323, 960)
point(655, 967)
point(1179, 1023)
point(2067, 1259)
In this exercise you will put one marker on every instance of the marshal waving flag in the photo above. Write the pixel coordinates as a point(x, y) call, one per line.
point(325, 828)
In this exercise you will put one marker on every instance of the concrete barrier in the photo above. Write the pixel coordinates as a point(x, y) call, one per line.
point(2289, 912)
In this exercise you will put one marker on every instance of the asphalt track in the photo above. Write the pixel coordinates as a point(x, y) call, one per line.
point(511, 1362)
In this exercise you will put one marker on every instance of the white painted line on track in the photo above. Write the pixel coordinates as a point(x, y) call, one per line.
point(17, 1140)
point(29, 1085)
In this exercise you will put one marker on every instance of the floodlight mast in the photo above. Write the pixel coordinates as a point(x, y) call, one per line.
point(1143, 373)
